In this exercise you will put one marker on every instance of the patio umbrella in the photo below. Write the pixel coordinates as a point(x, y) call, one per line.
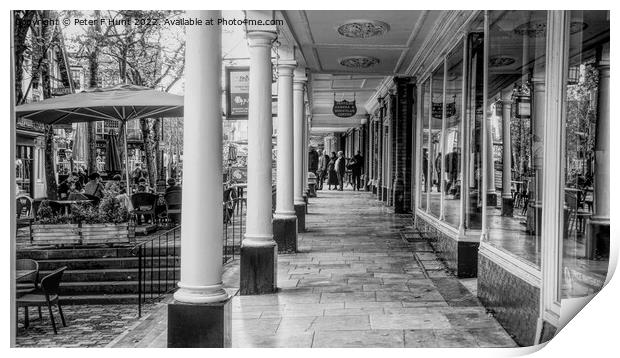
point(120, 103)
point(112, 159)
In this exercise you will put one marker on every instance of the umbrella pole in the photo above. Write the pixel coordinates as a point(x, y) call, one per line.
point(126, 158)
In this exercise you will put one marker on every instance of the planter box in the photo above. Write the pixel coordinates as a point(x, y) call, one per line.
point(105, 233)
point(56, 234)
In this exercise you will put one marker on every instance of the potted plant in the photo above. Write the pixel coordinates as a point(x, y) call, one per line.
point(106, 224)
point(53, 228)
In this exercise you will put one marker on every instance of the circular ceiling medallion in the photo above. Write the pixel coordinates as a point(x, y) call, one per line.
point(361, 29)
point(500, 61)
point(358, 61)
point(539, 28)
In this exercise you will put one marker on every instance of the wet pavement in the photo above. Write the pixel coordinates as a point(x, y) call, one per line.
point(362, 278)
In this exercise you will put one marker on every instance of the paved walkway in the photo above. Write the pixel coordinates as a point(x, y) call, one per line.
point(356, 282)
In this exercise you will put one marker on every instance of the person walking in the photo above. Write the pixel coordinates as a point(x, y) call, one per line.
point(356, 169)
point(321, 173)
point(340, 167)
point(332, 177)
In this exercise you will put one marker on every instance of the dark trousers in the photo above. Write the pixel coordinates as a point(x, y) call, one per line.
point(357, 180)
point(340, 180)
point(321, 175)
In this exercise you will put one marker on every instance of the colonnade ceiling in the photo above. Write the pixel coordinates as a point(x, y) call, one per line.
point(349, 53)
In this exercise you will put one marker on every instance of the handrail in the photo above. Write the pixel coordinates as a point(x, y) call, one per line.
point(150, 252)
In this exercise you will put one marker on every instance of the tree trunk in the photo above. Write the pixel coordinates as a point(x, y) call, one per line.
point(148, 151)
point(50, 172)
point(157, 138)
point(20, 27)
point(93, 62)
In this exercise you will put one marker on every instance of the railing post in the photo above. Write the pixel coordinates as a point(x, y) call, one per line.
point(139, 281)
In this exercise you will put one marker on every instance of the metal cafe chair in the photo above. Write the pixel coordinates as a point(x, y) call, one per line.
point(144, 205)
point(47, 294)
point(28, 283)
point(173, 206)
point(25, 213)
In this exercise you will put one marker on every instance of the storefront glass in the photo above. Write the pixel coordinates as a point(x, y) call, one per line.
point(586, 120)
point(424, 138)
point(452, 175)
point(472, 180)
point(436, 140)
point(516, 99)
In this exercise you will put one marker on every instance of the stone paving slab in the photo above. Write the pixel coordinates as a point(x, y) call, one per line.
point(357, 283)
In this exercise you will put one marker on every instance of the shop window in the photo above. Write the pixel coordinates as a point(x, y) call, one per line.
point(424, 139)
point(585, 243)
point(472, 179)
point(435, 144)
point(452, 174)
point(514, 131)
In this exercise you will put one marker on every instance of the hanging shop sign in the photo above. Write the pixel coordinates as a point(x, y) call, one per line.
point(237, 92)
point(344, 108)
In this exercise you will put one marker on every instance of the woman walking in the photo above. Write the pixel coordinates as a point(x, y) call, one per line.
point(332, 176)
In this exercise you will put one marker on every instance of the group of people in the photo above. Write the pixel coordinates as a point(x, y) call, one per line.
point(333, 169)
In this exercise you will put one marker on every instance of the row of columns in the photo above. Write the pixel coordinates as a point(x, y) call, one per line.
point(200, 315)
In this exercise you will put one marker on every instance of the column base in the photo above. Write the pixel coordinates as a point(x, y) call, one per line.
point(258, 269)
point(597, 239)
point(300, 212)
point(507, 207)
point(200, 325)
point(285, 233)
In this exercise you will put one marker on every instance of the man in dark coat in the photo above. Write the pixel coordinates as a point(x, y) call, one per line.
point(313, 160)
point(340, 169)
point(356, 169)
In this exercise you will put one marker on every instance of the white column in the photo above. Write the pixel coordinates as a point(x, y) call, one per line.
point(201, 237)
point(442, 144)
point(299, 82)
point(602, 148)
point(284, 197)
point(259, 228)
point(306, 147)
point(538, 126)
point(507, 149)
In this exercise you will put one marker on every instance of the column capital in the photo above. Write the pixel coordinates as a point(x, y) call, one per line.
point(286, 68)
point(300, 75)
point(261, 38)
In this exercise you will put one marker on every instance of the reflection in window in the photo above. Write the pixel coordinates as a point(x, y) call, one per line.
point(515, 124)
point(473, 166)
point(586, 157)
point(452, 178)
point(435, 156)
point(424, 182)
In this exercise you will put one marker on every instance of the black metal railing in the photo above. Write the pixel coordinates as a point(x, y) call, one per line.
point(159, 257)
point(234, 207)
point(158, 262)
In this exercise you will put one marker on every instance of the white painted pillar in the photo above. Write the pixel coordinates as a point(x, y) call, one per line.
point(299, 83)
point(507, 149)
point(306, 148)
point(602, 152)
point(201, 236)
point(538, 126)
point(284, 197)
point(259, 227)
